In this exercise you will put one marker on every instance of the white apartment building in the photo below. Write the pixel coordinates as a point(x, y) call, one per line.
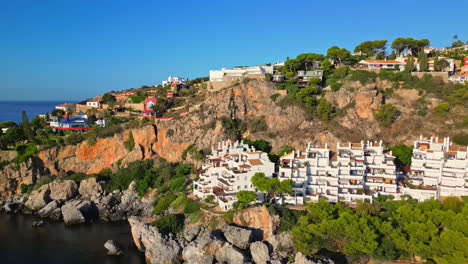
point(238, 73)
point(172, 79)
point(228, 170)
point(357, 171)
point(438, 168)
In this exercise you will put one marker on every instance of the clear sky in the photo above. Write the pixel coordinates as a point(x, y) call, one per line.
point(75, 49)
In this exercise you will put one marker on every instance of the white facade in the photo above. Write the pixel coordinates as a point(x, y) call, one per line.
point(66, 107)
point(94, 104)
point(459, 78)
point(358, 171)
point(238, 73)
point(172, 79)
point(438, 167)
point(228, 170)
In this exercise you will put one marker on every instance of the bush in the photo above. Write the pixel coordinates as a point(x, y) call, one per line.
point(210, 198)
point(25, 152)
point(170, 132)
point(258, 125)
point(162, 204)
point(43, 180)
point(24, 188)
point(403, 154)
point(275, 96)
point(78, 177)
point(197, 155)
point(325, 110)
point(387, 114)
point(191, 207)
point(442, 109)
point(461, 139)
point(171, 223)
point(74, 139)
point(259, 144)
point(130, 142)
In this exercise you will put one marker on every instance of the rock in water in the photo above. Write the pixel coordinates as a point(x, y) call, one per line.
point(39, 198)
point(72, 215)
point(48, 209)
point(64, 190)
point(158, 249)
point(112, 248)
point(259, 252)
point(239, 237)
point(37, 223)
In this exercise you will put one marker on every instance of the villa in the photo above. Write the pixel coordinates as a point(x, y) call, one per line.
point(66, 107)
point(239, 73)
point(179, 81)
point(78, 122)
point(228, 170)
point(380, 64)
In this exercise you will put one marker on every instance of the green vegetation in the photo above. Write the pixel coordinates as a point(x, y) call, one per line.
point(210, 198)
point(442, 109)
point(259, 144)
point(403, 154)
point(197, 155)
point(461, 139)
point(171, 223)
point(24, 188)
point(386, 114)
point(325, 110)
point(233, 127)
point(271, 186)
point(387, 230)
point(109, 99)
point(130, 142)
point(246, 196)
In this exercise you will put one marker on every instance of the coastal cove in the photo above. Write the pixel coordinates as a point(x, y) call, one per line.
point(54, 242)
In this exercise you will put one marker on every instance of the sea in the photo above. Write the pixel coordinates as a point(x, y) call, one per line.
point(11, 110)
point(55, 243)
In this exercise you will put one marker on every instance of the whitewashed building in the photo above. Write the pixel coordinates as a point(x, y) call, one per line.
point(173, 79)
point(438, 168)
point(238, 73)
point(357, 171)
point(228, 170)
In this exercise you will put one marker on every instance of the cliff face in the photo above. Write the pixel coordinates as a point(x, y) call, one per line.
point(88, 159)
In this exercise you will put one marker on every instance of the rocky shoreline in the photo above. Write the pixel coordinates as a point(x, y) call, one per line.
point(251, 240)
point(79, 203)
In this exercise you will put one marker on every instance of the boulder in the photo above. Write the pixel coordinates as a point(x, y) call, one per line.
point(87, 208)
point(193, 255)
point(192, 233)
point(259, 220)
point(72, 215)
point(259, 252)
point(56, 214)
point(230, 255)
point(282, 245)
point(112, 248)
point(90, 189)
point(48, 209)
point(38, 198)
point(10, 207)
point(157, 248)
point(63, 190)
point(239, 237)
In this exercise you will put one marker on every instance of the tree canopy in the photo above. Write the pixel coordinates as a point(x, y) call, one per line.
point(403, 45)
point(338, 55)
point(372, 48)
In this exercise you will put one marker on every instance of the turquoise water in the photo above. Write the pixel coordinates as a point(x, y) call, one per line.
point(55, 243)
point(11, 110)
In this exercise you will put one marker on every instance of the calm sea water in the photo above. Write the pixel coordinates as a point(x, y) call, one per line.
point(55, 243)
point(11, 110)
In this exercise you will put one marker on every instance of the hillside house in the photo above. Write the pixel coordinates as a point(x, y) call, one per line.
point(380, 64)
point(238, 73)
point(77, 123)
point(303, 77)
point(94, 103)
point(68, 108)
point(228, 170)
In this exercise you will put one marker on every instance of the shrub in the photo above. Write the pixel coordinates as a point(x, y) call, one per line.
point(403, 154)
point(275, 96)
point(325, 110)
point(259, 144)
point(74, 139)
point(461, 139)
point(43, 180)
point(442, 109)
point(210, 198)
point(246, 196)
point(258, 125)
point(191, 207)
point(130, 142)
point(162, 204)
point(78, 177)
point(170, 132)
point(197, 155)
point(171, 223)
point(24, 188)
point(386, 114)
point(25, 152)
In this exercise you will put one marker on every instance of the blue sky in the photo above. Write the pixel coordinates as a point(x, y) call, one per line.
point(75, 49)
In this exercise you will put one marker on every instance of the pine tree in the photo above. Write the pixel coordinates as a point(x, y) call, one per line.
point(436, 63)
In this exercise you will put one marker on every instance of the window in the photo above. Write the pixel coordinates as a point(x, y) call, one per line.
point(238, 187)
